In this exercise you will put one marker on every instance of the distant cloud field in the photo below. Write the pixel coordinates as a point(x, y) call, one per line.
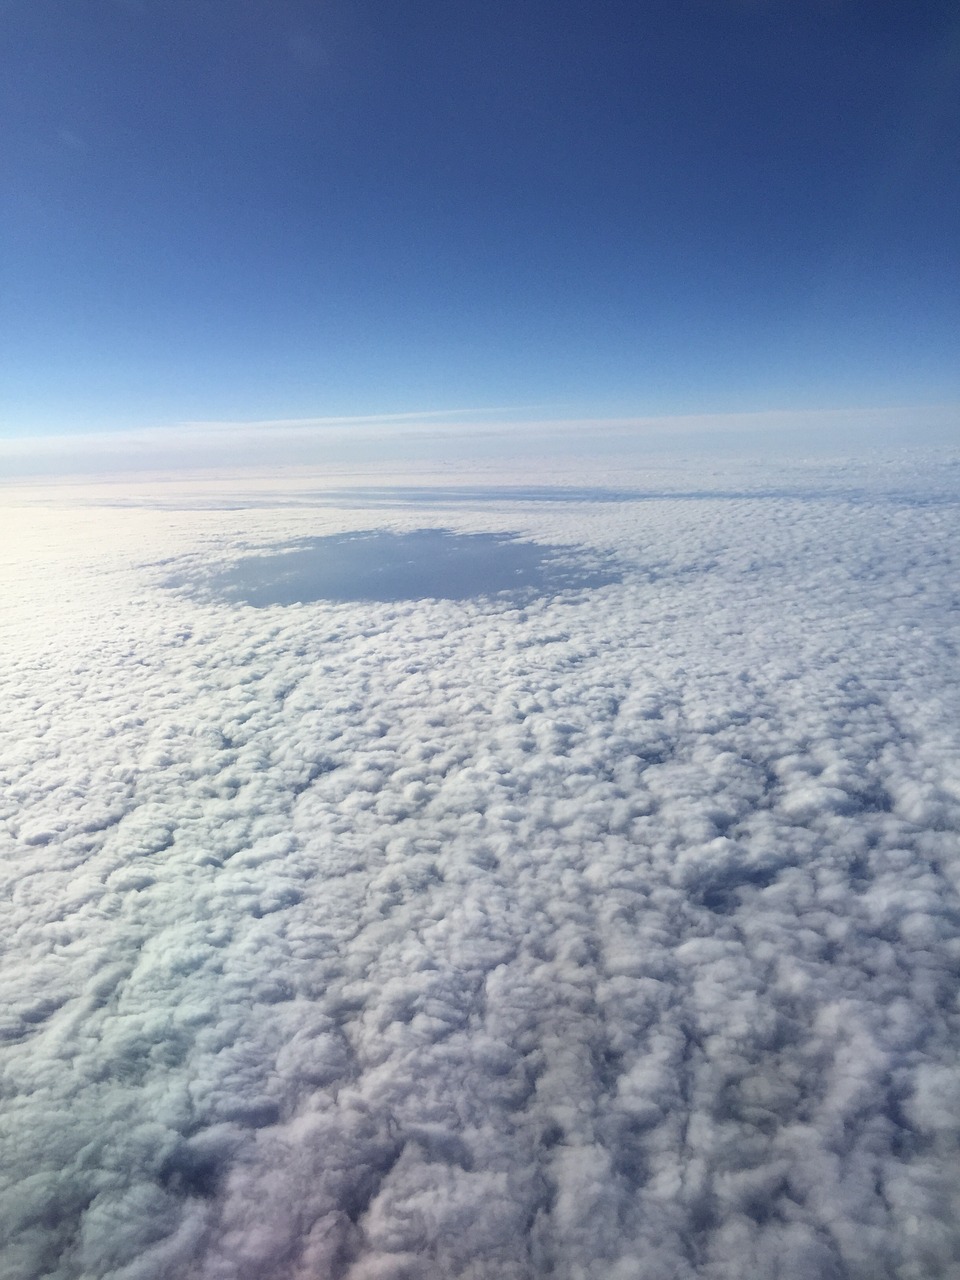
point(606, 932)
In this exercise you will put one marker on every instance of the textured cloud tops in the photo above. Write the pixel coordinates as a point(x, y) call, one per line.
point(607, 934)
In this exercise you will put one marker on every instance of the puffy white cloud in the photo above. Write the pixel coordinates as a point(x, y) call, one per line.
point(607, 934)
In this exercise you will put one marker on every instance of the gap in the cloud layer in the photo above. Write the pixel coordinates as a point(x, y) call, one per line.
point(421, 564)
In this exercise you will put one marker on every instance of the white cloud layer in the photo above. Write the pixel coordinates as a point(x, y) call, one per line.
point(611, 937)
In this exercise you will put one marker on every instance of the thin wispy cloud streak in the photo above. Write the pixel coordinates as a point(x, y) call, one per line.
point(445, 437)
point(346, 420)
point(609, 932)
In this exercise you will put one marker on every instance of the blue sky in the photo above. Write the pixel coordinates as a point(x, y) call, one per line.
point(257, 210)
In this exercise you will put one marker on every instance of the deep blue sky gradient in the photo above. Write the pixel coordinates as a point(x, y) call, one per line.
point(273, 208)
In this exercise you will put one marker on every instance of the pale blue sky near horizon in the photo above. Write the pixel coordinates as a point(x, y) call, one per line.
point(286, 210)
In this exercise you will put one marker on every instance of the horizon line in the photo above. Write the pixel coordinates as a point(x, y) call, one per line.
point(711, 420)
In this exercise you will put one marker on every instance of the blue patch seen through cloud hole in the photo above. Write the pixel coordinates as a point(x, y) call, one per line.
point(422, 564)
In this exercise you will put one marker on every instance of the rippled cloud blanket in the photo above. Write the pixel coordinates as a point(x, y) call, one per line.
point(599, 925)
